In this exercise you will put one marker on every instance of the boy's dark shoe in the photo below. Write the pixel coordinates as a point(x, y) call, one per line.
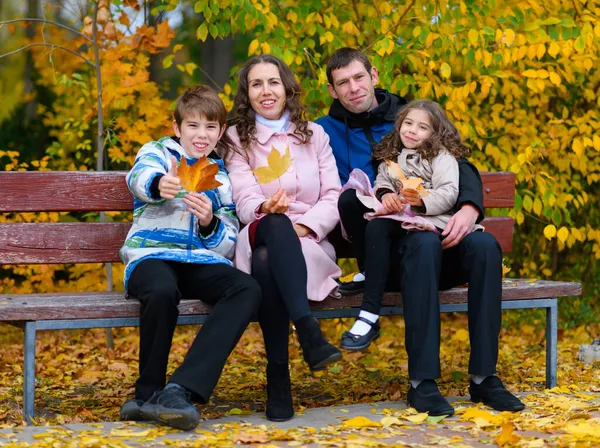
point(427, 398)
point(130, 411)
point(280, 406)
point(172, 406)
point(355, 342)
point(492, 392)
point(317, 352)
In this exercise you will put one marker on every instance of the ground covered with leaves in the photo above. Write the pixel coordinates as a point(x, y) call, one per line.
point(80, 381)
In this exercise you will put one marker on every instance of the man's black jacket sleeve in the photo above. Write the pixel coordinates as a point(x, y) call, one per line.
point(470, 189)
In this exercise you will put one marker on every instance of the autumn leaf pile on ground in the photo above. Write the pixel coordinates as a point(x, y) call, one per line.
point(80, 381)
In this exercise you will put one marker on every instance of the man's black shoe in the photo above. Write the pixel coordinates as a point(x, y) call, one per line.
point(130, 411)
point(355, 342)
point(492, 392)
point(427, 398)
point(172, 406)
point(351, 288)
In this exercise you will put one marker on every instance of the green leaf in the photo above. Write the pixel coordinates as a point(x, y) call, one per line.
point(199, 7)
point(580, 43)
point(202, 32)
point(556, 217)
point(168, 61)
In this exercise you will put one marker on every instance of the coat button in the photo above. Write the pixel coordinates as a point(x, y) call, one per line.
point(282, 138)
point(290, 169)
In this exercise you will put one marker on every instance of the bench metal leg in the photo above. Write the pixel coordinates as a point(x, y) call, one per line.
point(29, 372)
point(551, 343)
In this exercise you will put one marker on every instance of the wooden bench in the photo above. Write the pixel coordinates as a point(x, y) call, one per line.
point(99, 242)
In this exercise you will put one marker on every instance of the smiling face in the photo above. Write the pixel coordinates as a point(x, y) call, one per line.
point(354, 86)
point(266, 91)
point(416, 128)
point(197, 135)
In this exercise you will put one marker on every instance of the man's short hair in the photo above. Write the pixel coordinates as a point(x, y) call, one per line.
point(344, 57)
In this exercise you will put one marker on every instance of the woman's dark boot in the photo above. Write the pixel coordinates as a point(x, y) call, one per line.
point(280, 407)
point(317, 352)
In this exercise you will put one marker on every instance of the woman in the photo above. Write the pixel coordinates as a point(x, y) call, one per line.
point(284, 244)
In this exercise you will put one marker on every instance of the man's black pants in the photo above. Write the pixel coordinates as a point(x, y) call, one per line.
point(159, 286)
point(419, 265)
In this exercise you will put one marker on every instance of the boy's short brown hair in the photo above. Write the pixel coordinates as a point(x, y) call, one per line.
point(344, 57)
point(200, 100)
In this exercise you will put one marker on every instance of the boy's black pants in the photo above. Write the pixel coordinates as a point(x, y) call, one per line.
point(159, 286)
point(420, 267)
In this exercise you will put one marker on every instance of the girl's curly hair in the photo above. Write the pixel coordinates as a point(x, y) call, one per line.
point(444, 136)
point(245, 119)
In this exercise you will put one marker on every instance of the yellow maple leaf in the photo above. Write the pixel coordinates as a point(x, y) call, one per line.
point(276, 166)
point(507, 435)
point(198, 177)
point(360, 422)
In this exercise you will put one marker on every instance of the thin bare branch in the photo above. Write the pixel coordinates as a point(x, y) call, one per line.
point(50, 22)
point(60, 47)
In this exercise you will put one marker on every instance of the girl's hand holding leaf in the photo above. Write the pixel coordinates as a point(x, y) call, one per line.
point(412, 196)
point(200, 206)
point(392, 202)
point(278, 203)
point(169, 185)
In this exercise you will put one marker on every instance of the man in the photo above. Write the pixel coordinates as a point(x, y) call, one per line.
point(358, 118)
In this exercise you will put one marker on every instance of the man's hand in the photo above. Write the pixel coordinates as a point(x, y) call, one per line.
point(200, 206)
point(278, 203)
point(392, 202)
point(412, 197)
point(169, 185)
point(460, 225)
point(302, 230)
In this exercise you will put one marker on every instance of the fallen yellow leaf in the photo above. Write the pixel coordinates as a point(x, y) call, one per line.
point(419, 418)
point(360, 422)
point(507, 435)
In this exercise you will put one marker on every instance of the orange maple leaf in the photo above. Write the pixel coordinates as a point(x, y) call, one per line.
point(408, 183)
point(198, 177)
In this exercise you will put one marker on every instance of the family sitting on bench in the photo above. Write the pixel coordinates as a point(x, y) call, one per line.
point(282, 176)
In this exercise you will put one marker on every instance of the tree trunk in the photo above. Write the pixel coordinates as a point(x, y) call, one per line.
point(217, 60)
point(31, 109)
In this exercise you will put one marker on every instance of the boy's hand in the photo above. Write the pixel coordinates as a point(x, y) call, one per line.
point(392, 202)
point(278, 203)
point(412, 197)
point(169, 185)
point(200, 206)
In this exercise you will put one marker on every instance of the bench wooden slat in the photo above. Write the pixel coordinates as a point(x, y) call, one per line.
point(113, 304)
point(68, 190)
point(502, 227)
point(46, 243)
point(107, 191)
point(498, 189)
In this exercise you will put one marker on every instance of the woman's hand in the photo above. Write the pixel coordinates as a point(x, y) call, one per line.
point(200, 206)
point(276, 204)
point(412, 197)
point(169, 185)
point(392, 202)
point(302, 230)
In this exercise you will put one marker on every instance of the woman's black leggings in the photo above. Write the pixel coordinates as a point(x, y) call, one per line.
point(279, 266)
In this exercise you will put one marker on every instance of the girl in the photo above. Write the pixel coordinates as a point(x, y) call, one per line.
point(288, 217)
point(424, 146)
point(180, 245)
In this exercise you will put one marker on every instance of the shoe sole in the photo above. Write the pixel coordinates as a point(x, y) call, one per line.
point(358, 348)
point(331, 359)
point(487, 403)
point(433, 414)
point(166, 416)
point(351, 293)
point(279, 420)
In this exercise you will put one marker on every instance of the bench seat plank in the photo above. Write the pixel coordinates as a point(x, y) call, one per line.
point(95, 305)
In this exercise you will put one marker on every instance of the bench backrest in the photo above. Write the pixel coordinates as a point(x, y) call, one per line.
point(99, 242)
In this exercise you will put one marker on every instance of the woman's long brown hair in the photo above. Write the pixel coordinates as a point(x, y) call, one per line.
point(245, 120)
point(445, 136)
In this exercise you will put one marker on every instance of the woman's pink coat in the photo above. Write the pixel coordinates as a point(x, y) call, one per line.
point(313, 186)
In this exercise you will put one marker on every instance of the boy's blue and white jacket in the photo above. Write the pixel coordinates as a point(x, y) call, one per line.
point(164, 229)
